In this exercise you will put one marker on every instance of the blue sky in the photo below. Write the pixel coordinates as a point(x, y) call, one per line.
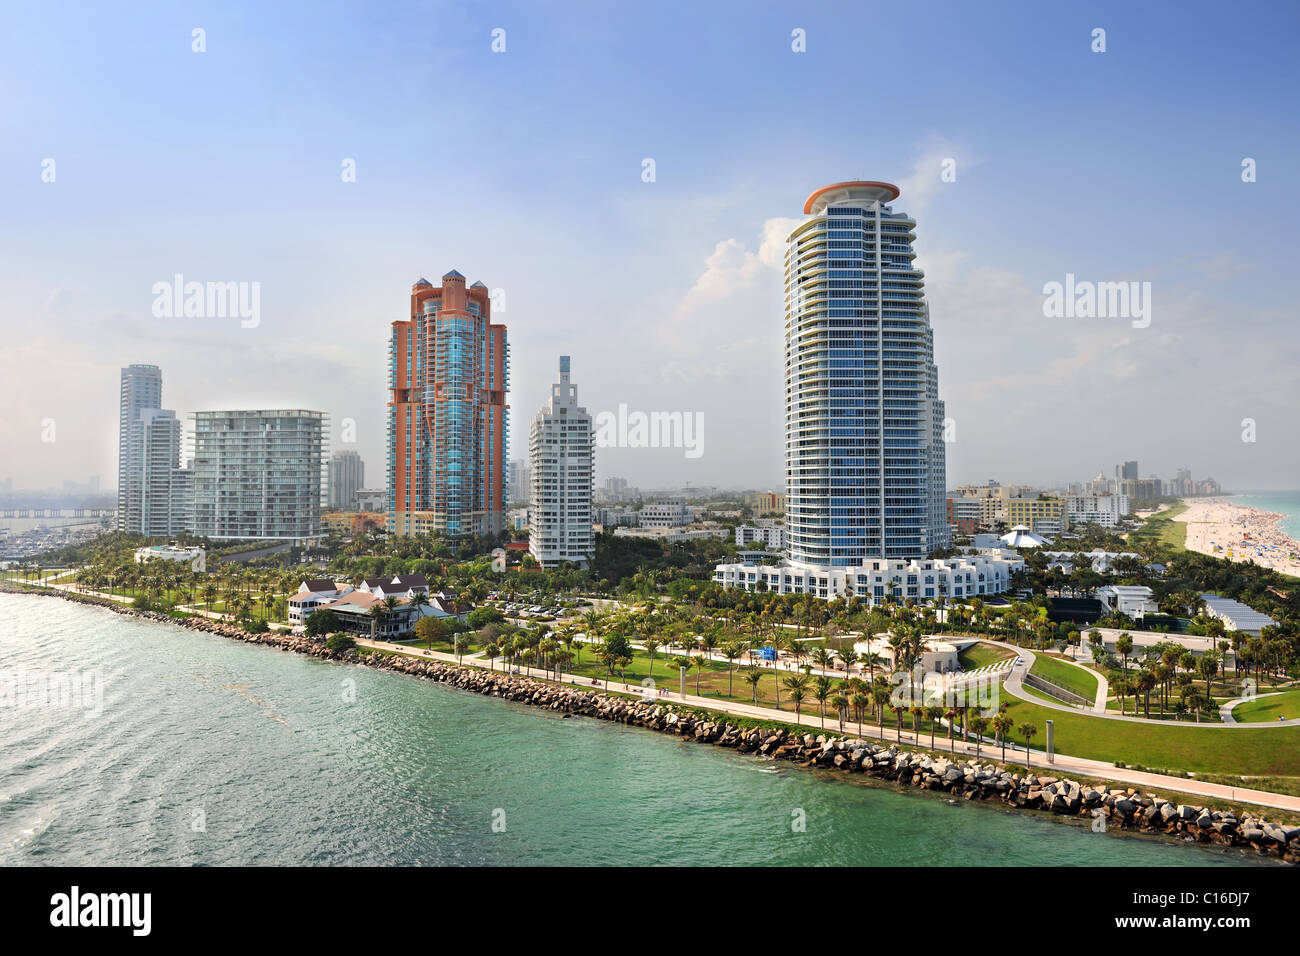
point(523, 169)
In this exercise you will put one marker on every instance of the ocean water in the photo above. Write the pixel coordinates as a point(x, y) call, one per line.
point(1283, 502)
point(206, 751)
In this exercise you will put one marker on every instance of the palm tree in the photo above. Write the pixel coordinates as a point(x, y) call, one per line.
point(978, 723)
point(880, 697)
point(950, 715)
point(698, 662)
point(651, 646)
point(1146, 682)
point(1002, 725)
point(1028, 731)
point(840, 703)
point(796, 696)
point(898, 719)
point(795, 682)
point(822, 688)
point(1124, 644)
point(932, 714)
point(753, 675)
point(872, 660)
point(860, 702)
point(1207, 667)
point(731, 651)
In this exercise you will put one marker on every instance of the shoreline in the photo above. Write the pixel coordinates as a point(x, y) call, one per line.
point(1221, 528)
point(1125, 809)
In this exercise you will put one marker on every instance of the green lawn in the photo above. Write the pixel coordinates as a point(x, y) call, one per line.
point(981, 655)
point(1265, 751)
point(1163, 529)
point(1074, 679)
point(1285, 704)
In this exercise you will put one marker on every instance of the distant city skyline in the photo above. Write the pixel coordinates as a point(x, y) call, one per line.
point(662, 281)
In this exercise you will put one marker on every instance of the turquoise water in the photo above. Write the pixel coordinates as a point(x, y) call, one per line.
point(1284, 502)
point(284, 769)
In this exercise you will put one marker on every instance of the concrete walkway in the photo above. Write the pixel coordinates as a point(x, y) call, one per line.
point(1060, 766)
point(1014, 686)
point(1225, 711)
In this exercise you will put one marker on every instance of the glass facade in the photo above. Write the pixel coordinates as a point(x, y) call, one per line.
point(448, 376)
point(864, 426)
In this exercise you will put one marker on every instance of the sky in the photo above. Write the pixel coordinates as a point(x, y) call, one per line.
point(524, 167)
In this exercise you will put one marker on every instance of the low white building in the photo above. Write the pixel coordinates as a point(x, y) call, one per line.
point(1135, 600)
point(670, 535)
point(666, 513)
point(314, 594)
point(1021, 537)
point(1235, 615)
point(1105, 510)
point(922, 579)
point(166, 552)
point(1101, 561)
point(939, 655)
point(770, 536)
point(614, 517)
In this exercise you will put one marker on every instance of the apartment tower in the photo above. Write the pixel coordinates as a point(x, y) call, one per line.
point(347, 476)
point(448, 368)
point(258, 474)
point(561, 444)
point(864, 426)
point(153, 491)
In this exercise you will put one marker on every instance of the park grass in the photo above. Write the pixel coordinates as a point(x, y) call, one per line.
point(1284, 704)
point(1163, 529)
point(1074, 679)
point(982, 655)
point(1260, 751)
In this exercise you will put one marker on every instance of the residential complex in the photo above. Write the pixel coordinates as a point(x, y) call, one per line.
point(864, 450)
point(347, 476)
point(1041, 515)
point(765, 503)
point(864, 426)
point(519, 486)
point(665, 513)
point(448, 369)
point(258, 474)
point(561, 446)
point(770, 536)
point(153, 491)
point(961, 577)
point(1105, 510)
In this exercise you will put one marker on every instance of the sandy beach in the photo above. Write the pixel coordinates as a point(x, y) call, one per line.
point(1226, 530)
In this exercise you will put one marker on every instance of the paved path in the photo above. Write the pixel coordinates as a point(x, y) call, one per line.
point(1225, 712)
point(1014, 686)
point(1061, 765)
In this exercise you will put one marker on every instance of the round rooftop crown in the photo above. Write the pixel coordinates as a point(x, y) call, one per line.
point(862, 189)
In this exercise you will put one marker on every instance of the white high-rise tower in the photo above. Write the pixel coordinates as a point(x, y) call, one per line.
point(864, 435)
point(560, 451)
point(864, 426)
